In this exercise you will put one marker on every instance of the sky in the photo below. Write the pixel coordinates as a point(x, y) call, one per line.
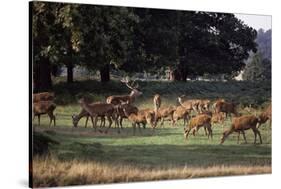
point(256, 21)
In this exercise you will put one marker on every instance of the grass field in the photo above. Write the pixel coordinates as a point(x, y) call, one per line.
point(87, 157)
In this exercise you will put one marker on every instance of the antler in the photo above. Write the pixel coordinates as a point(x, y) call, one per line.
point(131, 86)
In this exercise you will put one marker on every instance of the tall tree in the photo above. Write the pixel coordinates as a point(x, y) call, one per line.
point(213, 43)
point(106, 33)
point(264, 43)
point(257, 69)
point(55, 39)
point(42, 21)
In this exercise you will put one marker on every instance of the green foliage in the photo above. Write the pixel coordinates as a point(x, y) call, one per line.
point(244, 92)
point(138, 39)
point(264, 43)
point(257, 69)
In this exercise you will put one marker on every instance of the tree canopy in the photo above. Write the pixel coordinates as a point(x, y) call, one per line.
point(189, 43)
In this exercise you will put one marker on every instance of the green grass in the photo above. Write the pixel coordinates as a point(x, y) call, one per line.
point(166, 148)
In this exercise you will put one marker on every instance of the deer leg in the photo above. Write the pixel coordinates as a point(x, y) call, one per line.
point(134, 128)
point(139, 128)
point(120, 123)
point(162, 122)
point(195, 130)
point(92, 120)
point(238, 138)
point(95, 123)
point(210, 131)
point(205, 130)
point(187, 133)
point(256, 131)
point(87, 118)
point(116, 123)
point(54, 120)
point(101, 122)
point(244, 136)
point(173, 122)
point(110, 123)
point(255, 134)
point(51, 118)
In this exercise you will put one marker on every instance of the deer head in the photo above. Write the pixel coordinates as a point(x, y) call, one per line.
point(133, 86)
point(74, 120)
point(181, 98)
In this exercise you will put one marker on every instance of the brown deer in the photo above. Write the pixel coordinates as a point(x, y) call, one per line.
point(44, 107)
point(215, 103)
point(218, 118)
point(180, 113)
point(195, 123)
point(120, 112)
point(157, 104)
point(265, 115)
point(165, 112)
point(119, 99)
point(226, 107)
point(204, 105)
point(197, 105)
point(44, 96)
point(141, 117)
point(240, 124)
point(84, 113)
point(100, 109)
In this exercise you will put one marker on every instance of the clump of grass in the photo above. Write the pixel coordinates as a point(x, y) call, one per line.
point(50, 171)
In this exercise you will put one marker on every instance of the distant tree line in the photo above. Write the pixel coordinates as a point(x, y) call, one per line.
point(100, 38)
point(258, 66)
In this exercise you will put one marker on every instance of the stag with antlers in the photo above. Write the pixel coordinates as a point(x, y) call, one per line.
point(127, 99)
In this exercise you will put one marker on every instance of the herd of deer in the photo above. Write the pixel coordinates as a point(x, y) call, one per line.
point(119, 107)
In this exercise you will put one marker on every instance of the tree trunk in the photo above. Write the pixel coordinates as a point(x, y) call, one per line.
point(69, 67)
point(42, 75)
point(171, 74)
point(104, 74)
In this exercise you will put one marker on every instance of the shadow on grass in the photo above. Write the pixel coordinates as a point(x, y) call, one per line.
point(126, 132)
point(163, 156)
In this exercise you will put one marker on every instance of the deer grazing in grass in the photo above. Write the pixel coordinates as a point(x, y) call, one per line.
point(128, 99)
point(240, 124)
point(124, 99)
point(44, 96)
point(44, 107)
point(121, 112)
point(100, 109)
point(195, 123)
point(265, 115)
point(84, 113)
point(144, 117)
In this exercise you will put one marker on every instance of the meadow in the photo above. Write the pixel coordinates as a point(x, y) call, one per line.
point(87, 157)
